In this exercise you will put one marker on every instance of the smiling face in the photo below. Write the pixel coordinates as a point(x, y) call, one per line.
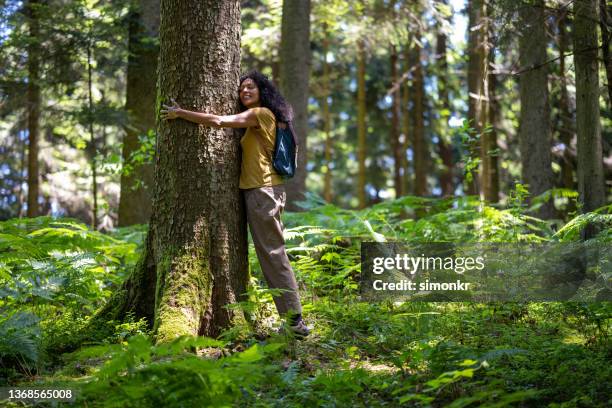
point(249, 93)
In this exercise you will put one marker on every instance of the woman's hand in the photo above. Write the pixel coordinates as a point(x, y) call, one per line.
point(171, 112)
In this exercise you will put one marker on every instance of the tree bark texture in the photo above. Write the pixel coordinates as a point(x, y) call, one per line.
point(535, 126)
point(294, 75)
point(361, 124)
point(195, 258)
point(33, 98)
point(590, 157)
point(136, 187)
point(490, 149)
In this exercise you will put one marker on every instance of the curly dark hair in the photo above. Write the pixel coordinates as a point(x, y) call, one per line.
point(269, 97)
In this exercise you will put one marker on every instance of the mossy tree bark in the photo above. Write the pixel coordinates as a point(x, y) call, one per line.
point(419, 143)
point(396, 145)
point(195, 258)
point(361, 124)
point(136, 187)
point(444, 147)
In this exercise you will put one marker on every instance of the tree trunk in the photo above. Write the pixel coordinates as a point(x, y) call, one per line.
point(396, 146)
point(490, 149)
point(590, 157)
point(446, 154)
point(195, 257)
point(33, 98)
point(420, 147)
point(361, 125)
point(406, 122)
point(605, 22)
point(535, 131)
point(475, 79)
point(327, 187)
point(294, 74)
point(92, 144)
point(136, 187)
point(566, 132)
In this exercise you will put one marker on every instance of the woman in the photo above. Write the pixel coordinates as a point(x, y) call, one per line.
point(261, 107)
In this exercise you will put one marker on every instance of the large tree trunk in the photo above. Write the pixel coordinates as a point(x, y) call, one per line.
point(33, 98)
point(590, 158)
point(294, 73)
point(195, 258)
point(396, 146)
point(535, 130)
point(419, 144)
point(446, 154)
point(136, 187)
point(361, 124)
point(475, 79)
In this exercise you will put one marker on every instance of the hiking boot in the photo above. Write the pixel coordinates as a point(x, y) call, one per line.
point(299, 330)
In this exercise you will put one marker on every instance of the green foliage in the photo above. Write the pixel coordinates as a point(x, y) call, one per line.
point(140, 374)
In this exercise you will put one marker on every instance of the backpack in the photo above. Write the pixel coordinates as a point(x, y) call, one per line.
point(284, 156)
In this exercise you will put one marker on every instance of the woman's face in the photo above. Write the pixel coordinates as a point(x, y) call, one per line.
point(249, 93)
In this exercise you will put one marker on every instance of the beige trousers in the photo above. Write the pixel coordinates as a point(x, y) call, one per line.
point(264, 208)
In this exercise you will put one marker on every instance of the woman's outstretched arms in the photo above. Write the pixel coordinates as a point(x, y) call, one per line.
point(241, 120)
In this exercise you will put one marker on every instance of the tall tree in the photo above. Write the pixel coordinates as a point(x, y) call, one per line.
point(605, 23)
point(446, 154)
point(396, 145)
point(136, 185)
point(327, 187)
point(419, 143)
point(566, 130)
point(491, 113)
point(476, 77)
point(195, 257)
point(33, 101)
point(361, 124)
point(590, 157)
point(294, 75)
point(535, 129)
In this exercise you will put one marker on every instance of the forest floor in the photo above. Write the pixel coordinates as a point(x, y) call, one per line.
point(54, 274)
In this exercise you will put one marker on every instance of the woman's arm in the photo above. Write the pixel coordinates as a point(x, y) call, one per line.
point(240, 120)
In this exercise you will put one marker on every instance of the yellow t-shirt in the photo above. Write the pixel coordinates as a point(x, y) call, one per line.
point(257, 146)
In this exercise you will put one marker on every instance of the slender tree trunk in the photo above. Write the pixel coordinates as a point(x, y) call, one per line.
point(420, 147)
point(92, 145)
point(535, 129)
point(490, 149)
point(33, 98)
point(475, 79)
point(566, 133)
point(136, 187)
point(406, 122)
point(327, 188)
point(590, 158)
point(396, 146)
point(361, 125)
point(605, 22)
point(446, 154)
point(294, 74)
point(195, 258)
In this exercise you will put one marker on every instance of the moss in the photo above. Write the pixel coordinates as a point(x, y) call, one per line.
point(184, 290)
